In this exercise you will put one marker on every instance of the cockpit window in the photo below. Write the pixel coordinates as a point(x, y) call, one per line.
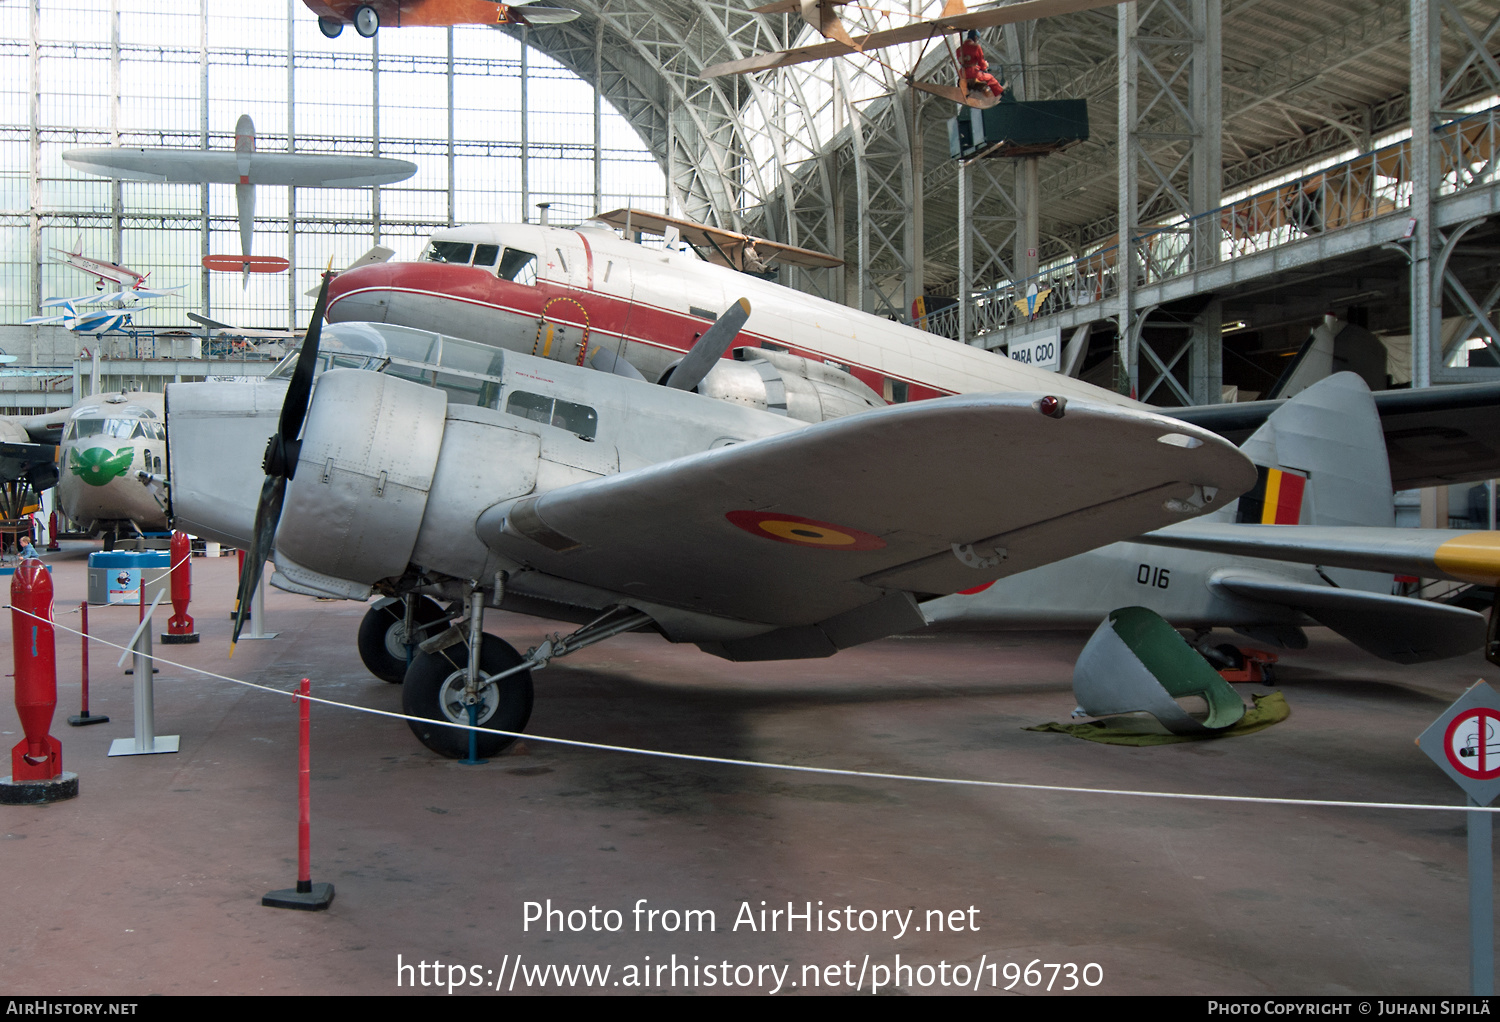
point(484, 255)
point(518, 266)
point(118, 429)
point(577, 419)
point(449, 252)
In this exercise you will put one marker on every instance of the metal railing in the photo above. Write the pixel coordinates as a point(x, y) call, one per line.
point(1365, 188)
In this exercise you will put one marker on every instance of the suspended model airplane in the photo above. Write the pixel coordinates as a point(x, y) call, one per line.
point(487, 477)
point(586, 297)
point(954, 19)
point(244, 168)
point(367, 16)
point(97, 314)
point(101, 270)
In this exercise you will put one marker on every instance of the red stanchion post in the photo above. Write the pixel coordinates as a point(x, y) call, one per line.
point(306, 895)
point(180, 624)
point(84, 717)
point(52, 543)
point(36, 774)
point(240, 574)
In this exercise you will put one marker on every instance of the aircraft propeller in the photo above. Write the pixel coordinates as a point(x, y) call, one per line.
point(280, 462)
point(706, 353)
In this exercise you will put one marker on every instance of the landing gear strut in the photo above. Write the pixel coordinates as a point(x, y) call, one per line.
point(463, 667)
point(463, 676)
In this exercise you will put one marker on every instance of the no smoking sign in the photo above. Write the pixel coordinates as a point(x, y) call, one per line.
point(1465, 742)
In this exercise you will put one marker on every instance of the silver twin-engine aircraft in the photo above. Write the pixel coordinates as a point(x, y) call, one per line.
point(803, 519)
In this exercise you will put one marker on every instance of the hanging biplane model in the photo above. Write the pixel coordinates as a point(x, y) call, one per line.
point(244, 168)
point(97, 314)
point(368, 16)
point(954, 19)
point(484, 477)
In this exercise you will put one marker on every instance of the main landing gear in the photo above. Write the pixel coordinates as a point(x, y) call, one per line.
point(366, 21)
point(382, 634)
point(331, 27)
point(466, 678)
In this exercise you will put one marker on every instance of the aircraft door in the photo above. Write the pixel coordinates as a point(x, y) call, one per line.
point(617, 314)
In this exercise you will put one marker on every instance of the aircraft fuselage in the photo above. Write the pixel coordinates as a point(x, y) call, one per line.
point(562, 293)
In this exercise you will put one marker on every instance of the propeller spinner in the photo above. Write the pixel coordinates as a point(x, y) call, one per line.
point(280, 462)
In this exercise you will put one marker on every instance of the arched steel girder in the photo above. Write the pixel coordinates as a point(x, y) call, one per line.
point(650, 73)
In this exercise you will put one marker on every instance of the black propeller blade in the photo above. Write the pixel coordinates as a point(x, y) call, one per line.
point(710, 347)
point(280, 463)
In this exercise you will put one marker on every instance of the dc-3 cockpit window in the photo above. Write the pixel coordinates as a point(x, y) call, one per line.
point(484, 255)
point(448, 252)
point(578, 419)
point(518, 266)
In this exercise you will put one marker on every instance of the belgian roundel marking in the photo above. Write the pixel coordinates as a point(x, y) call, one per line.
point(803, 531)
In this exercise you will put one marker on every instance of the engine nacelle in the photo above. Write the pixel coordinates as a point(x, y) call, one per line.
point(786, 384)
point(369, 450)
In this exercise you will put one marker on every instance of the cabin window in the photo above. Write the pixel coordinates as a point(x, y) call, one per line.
point(465, 390)
point(449, 252)
point(484, 255)
point(897, 392)
point(518, 266)
point(580, 420)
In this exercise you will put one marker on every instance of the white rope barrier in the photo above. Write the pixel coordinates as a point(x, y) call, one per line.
point(796, 768)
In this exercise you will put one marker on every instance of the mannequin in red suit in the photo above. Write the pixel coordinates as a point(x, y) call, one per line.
point(976, 70)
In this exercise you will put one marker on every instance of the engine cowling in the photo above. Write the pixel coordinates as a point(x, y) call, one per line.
point(390, 475)
point(786, 384)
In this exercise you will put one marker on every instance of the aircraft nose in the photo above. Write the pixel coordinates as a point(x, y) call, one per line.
point(216, 440)
point(361, 295)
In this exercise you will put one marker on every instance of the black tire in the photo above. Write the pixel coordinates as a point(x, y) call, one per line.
point(382, 637)
point(366, 21)
point(330, 27)
point(436, 678)
point(1232, 652)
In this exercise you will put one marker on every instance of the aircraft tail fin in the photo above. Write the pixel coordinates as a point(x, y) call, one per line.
point(1322, 461)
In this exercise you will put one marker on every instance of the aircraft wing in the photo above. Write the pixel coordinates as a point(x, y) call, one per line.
point(1025, 10)
point(1426, 553)
point(1433, 435)
point(715, 240)
point(34, 462)
point(1398, 628)
point(929, 497)
point(226, 167)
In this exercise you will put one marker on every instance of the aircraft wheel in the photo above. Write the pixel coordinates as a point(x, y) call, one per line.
point(366, 21)
point(1233, 654)
point(331, 27)
point(434, 689)
point(382, 637)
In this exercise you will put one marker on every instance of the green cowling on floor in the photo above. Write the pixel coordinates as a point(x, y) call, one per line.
point(1136, 662)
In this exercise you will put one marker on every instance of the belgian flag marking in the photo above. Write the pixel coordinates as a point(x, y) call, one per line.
point(1276, 498)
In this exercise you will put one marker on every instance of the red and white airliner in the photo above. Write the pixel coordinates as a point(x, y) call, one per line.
point(583, 294)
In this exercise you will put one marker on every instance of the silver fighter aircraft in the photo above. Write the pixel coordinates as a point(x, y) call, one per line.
point(757, 527)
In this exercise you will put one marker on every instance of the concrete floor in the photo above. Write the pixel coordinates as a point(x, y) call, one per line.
point(150, 881)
